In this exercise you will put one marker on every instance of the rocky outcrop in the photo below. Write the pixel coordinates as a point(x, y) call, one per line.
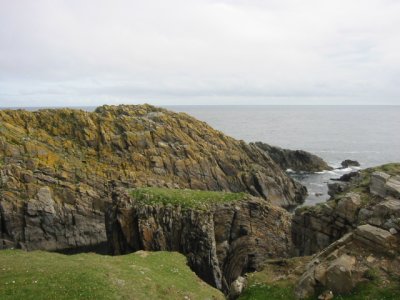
point(296, 160)
point(73, 155)
point(349, 261)
point(221, 241)
point(370, 198)
point(343, 183)
point(355, 239)
point(383, 185)
point(349, 163)
point(40, 211)
point(314, 228)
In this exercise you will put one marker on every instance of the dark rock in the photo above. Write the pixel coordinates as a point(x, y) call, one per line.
point(315, 228)
point(296, 160)
point(347, 177)
point(350, 163)
point(337, 188)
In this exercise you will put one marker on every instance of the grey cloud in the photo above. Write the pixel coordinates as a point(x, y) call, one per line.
point(199, 52)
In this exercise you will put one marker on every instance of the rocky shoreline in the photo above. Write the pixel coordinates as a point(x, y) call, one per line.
point(57, 167)
point(130, 178)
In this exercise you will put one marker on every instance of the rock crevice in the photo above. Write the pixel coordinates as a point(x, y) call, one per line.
point(221, 242)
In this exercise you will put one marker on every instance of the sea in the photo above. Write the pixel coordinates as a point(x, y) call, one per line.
point(368, 134)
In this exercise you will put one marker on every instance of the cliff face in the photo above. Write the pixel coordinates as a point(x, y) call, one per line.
point(56, 165)
point(221, 240)
point(39, 210)
point(296, 160)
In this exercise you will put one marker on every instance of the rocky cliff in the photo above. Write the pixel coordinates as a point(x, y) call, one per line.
point(355, 239)
point(223, 236)
point(56, 167)
point(296, 160)
point(372, 197)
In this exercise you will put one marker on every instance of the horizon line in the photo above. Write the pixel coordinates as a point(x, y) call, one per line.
point(169, 105)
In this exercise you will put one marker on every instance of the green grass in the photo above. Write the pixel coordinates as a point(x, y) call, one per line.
point(273, 282)
point(264, 284)
point(278, 291)
point(285, 291)
point(184, 198)
point(141, 275)
point(370, 290)
point(374, 291)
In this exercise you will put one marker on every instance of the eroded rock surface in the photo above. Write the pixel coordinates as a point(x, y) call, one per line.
point(370, 198)
point(296, 160)
point(40, 213)
point(221, 242)
point(56, 167)
point(350, 261)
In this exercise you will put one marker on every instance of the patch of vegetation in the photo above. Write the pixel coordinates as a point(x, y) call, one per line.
point(371, 274)
point(279, 291)
point(276, 280)
point(373, 290)
point(283, 290)
point(184, 197)
point(141, 275)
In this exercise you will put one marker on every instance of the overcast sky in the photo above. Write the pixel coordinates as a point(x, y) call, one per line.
point(74, 53)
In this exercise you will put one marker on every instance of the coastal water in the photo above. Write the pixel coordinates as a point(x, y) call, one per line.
point(368, 134)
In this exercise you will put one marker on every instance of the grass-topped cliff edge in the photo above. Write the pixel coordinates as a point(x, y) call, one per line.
point(184, 198)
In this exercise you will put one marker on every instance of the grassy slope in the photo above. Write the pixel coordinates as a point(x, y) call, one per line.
point(184, 197)
point(142, 275)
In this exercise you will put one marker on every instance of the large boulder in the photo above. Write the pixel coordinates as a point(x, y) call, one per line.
point(377, 184)
point(348, 207)
point(349, 163)
point(393, 186)
point(375, 238)
point(339, 277)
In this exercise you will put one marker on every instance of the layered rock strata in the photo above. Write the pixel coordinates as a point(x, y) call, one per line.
point(344, 264)
point(40, 210)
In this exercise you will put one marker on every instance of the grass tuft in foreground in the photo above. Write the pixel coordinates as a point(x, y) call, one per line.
point(183, 197)
point(141, 275)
